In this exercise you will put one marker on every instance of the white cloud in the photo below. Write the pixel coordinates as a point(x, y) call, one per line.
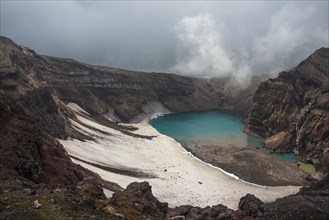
point(206, 48)
point(294, 32)
point(211, 38)
point(199, 50)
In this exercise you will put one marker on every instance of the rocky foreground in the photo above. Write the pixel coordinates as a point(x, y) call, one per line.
point(39, 180)
point(86, 200)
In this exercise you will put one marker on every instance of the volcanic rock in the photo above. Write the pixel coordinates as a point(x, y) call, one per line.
point(91, 186)
point(292, 111)
point(251, 205)
point(140, 197)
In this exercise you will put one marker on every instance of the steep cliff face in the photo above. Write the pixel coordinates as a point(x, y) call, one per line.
point(99, 89)
point(18, 65)
point(28, 151)
point(292, 111)
point(31, 117)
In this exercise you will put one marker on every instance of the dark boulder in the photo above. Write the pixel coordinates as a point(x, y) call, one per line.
point(139, 197)
point(251, 205)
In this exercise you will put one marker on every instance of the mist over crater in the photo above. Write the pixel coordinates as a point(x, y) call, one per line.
point(200, 39)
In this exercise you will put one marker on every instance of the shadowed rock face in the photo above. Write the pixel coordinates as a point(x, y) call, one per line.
point(31, 117)
point(98, 88)
point(292, 111)
point(28, 148)
point(28, 151)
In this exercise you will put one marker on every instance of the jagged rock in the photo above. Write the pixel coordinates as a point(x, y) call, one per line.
point(292, 111)
point(91, 187)
point(251, 205)
point(279, 142)
point(140, 197)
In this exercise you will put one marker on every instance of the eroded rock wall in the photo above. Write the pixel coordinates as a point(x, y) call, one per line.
point(292, 111)
point(98, 89)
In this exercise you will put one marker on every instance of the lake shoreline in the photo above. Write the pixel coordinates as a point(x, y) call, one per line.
point(213, 136)
point(242, 169)
point(180, 179)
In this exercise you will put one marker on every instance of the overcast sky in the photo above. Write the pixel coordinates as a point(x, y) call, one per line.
point(199, 38)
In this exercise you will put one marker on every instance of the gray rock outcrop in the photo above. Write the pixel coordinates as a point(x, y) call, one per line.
point(292, 111)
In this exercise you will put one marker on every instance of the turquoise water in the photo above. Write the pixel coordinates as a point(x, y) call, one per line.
point(218, 126)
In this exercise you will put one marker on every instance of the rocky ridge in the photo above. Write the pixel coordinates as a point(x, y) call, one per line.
point(292, 111)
